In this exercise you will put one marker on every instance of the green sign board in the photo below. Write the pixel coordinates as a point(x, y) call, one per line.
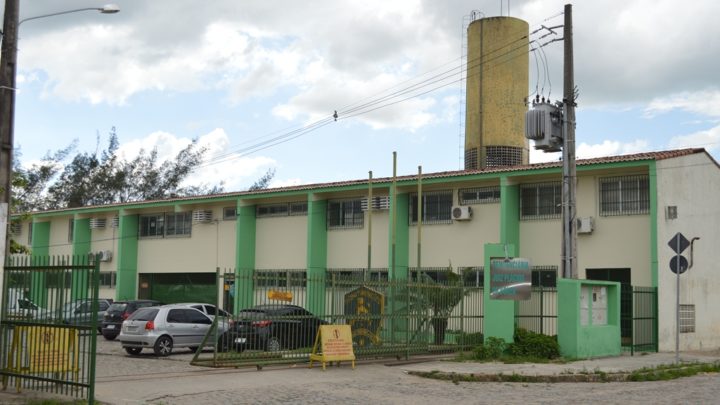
point(510, 279)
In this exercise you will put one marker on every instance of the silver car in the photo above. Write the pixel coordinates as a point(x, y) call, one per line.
point(165, 327)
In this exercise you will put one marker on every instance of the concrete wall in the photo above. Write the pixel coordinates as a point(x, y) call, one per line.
point(281, 242)
point(691, 183)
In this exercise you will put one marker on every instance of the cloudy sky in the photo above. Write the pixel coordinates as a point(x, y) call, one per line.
point(258, 81)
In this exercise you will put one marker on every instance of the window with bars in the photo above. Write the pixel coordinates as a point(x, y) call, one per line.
point(71, 229)
point(281, 209)
point(626, 195)
point(687, 318)
point(436, 207)
point(541, 200)
point(282, 278)
point(479, 195)
point(162, 225)
point(229, 213)
point(345, 214)
point(544, 276)
point(107, 279)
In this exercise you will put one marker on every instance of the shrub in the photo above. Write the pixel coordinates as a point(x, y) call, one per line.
point(492, 349)
point(470, 339)
point(531, 344)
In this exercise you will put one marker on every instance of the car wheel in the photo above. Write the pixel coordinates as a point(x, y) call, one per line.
point(133, 350)
point(223, 344)
point(273, 344)
point(108, 336)
point(163, 346)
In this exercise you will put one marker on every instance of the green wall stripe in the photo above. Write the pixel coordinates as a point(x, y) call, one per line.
point(653, 223)
point(80, 249)
point(316, 254)
point(509, 213)
point(244, 256)
point(401, 202)
point(127, 268)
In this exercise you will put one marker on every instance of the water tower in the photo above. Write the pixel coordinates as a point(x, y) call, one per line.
point(497, 85)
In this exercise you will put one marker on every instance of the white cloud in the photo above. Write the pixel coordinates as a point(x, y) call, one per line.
point(708, 139)
point(286, 183)
point(589, 151)
point(706, 102)
point(221, 166)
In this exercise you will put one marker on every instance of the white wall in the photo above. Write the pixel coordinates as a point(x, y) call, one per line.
point(281, 242)
point(692, 183)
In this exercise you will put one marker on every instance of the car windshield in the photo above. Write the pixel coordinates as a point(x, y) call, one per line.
point(144, 314)
point(119, 307)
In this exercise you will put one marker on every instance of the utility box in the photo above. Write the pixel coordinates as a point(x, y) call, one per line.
point(543, 124)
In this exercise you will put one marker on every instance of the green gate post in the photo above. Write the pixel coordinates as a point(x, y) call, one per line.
point(398, 263)
point(499, 315)
point(126, 288)
point(80, 249)
point(245, 257)
point(40, 256)
point(316, 255)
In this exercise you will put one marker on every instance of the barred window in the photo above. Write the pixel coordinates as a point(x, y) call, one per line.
point(162, 225)
point(282, 278)
point(627, 195)
point(281, 209)
point(178, 224)
point(479, 195)
point(544, 276)
point(436, 207)
point(687, 318)
point(541, 201)
point(345, 214)
point(71, 229)
point(229, 213)
point(107, 279)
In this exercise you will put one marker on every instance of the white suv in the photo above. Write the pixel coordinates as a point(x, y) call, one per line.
point(165, 327)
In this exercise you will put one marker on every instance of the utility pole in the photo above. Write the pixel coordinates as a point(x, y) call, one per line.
point(8, 63)
point(569, 251)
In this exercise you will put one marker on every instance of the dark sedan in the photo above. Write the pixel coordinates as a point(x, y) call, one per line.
point(271, 328)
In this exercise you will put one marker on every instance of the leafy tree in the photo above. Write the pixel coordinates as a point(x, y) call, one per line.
point(264, 181)
point(105, 178)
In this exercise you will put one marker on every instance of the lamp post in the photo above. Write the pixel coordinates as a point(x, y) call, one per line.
point(8, 69)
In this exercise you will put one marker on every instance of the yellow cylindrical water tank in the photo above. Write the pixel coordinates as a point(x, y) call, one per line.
point(497, 85)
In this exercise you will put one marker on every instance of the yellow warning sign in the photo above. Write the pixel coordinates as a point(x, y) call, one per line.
point(280, 295)
point(335, 343)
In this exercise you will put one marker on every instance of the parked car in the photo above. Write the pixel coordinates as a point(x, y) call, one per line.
point(120, 311)
point(19, 305)
point(164, 328)
point(80, 312)
point(271, 328)
point(208, 309)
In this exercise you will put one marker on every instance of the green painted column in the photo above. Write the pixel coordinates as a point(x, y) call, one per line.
point(244, 257)
point(316, 255)
point(40, 256)
point(127, 268)
point(402, 236)
point(653, 224)
point(498, 315)
point(509, 213)
point(80, 250)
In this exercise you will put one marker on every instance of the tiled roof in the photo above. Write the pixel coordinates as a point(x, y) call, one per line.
point(660, 155)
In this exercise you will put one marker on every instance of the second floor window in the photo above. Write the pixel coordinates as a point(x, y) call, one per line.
point(436, 207)
point(541, 200)
point(162, 225)
point(345, 214)
point(627, 195)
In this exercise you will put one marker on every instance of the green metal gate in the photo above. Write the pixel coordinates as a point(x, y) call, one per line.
point(47, 343)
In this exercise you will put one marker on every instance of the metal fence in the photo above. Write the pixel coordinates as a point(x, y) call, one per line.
point(48, 325)
point(389, 318)
point(539, 313)
point(640, 319)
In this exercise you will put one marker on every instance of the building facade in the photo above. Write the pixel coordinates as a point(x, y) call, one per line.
point(629, 207)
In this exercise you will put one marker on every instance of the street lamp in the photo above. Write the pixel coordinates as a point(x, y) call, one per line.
point(8, 69)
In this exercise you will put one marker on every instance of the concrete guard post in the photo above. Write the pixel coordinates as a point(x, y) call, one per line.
point(588, 318)
point(498, 315)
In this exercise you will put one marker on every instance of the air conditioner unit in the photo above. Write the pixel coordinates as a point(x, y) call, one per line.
point(105, 255)
point(585, 225)
point(462, 213)
point(378, 203)
point(97, 223)
point(202, 216)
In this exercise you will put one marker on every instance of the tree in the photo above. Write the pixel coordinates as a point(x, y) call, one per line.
point(264, 181)
point(104, 178)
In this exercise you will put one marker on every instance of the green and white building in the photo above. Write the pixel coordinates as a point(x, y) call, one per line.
point(629, 207)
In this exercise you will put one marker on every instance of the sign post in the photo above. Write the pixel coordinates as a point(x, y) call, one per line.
point(678, 265)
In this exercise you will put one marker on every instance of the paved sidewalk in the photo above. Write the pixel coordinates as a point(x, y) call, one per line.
point(129, 380)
